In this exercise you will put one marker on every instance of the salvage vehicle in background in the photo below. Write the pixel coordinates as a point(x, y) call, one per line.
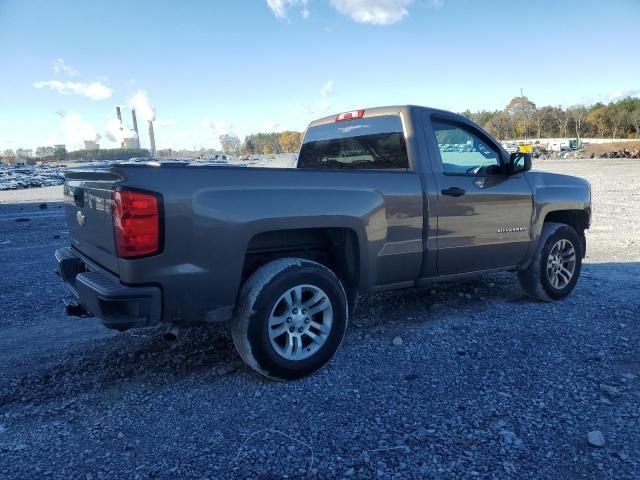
point(380, 199)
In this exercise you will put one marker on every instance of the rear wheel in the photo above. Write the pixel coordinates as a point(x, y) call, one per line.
point(291, 317)
point(554, 271)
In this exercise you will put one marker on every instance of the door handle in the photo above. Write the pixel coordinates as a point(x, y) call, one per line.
point(454, 192)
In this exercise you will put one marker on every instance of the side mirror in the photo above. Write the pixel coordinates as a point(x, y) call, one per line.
point(519, 162)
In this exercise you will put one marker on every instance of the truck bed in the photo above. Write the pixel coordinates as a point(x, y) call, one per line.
point(211, 214)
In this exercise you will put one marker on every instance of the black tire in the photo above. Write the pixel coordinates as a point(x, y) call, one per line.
point(258, 298)
point(535, 280)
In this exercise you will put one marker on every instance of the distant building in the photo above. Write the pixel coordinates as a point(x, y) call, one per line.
point(131, 143)
point(91, 145)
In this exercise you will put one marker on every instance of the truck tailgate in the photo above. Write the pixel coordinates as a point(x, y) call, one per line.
point(87, 198)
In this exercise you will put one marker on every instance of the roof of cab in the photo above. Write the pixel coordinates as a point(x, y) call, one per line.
point(378, 111)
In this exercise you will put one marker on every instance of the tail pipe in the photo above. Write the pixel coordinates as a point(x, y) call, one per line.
point(76, 310)
point(173, 330)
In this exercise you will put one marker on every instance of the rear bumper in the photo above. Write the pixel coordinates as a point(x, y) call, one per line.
point(117, 306)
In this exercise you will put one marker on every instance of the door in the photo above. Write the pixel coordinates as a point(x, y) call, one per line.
point(483, 215)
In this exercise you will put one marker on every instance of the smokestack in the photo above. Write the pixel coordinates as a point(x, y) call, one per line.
point(120, 120)
point(152, 139)
point(135, 122)
point(135, 125)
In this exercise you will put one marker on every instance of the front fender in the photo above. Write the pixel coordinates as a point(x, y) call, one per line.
point(555, 193)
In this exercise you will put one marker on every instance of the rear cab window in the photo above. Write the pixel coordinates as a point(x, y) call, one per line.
point(375, 143)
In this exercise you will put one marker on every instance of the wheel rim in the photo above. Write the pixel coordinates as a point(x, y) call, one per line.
point(561, 264)
point(300, 322)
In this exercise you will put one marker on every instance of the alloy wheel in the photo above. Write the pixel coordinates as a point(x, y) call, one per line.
point(300, 322)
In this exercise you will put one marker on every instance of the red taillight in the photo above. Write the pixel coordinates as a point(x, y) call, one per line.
point(350, 115)
point(136, 223)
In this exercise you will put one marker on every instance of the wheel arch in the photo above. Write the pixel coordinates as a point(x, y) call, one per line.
point(337, 248)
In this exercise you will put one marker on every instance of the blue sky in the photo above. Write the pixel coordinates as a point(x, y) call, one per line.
point(243, 66)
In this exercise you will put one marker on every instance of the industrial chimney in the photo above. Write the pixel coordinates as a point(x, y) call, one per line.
point(135, 126)
point(152, 139)
point(120, 120)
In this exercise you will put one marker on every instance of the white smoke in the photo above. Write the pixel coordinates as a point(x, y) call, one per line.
point(117, 131)
point(76, 130)
point(144, 109)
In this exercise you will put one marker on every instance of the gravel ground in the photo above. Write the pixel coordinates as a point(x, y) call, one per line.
point(460, 380)
point(30, 195)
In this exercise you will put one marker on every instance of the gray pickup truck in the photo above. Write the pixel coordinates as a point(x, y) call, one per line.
point(379, 199)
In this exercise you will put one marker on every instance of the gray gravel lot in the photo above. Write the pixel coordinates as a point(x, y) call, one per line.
point(484, 382)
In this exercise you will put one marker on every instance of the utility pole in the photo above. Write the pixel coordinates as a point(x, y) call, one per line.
point(524, 115)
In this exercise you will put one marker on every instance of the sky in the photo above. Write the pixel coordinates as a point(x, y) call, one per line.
point(243, 66)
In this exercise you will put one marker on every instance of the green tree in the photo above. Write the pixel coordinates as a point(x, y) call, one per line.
point(618, 120)
point(60, 154)
point(45, 153)
point(9, 156)
point(522, 112)
point(634, 120)
point(24, 153)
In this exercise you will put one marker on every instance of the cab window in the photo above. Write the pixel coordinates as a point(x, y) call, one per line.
point(463, 152)
point(375, 143)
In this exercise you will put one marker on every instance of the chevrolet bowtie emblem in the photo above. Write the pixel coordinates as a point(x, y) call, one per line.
point(80, 218)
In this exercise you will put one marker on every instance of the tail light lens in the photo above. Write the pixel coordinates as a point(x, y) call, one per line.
point(136, 222)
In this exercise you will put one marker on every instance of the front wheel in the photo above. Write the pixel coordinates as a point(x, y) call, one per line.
point(554, 271)
point(291, 317)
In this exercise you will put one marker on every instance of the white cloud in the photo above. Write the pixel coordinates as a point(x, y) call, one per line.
point(60, 67)
point(327, 89)
point(375, 12)
point(212, 132)
point(272, 126)
point(219, 126)
point(280, 8)
point(314, 109)
point(317, 108)
point(436, 3)
point(622, 94)
point(93, 90)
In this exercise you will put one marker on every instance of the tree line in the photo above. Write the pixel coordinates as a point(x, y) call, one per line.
point(262, 143)
point(523, 118)
point(60, 154)
point(520, 118)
